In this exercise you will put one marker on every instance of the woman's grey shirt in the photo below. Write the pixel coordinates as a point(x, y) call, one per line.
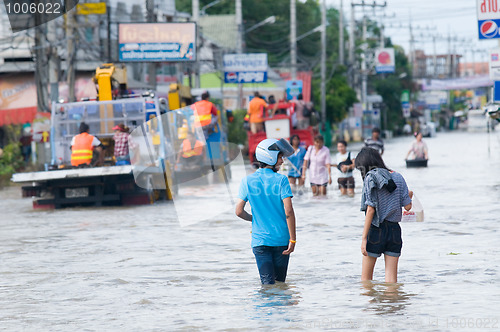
point(387, 204)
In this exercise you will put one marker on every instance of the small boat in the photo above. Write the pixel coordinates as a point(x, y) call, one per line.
point(416, 163)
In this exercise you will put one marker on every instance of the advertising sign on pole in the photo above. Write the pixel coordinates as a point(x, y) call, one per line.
point(384, 60)
point(357, 109)
point(245, 68)
point(293, 89)
point(156, 42)
point(98, 8)
point(494, 62)
point(488, 19)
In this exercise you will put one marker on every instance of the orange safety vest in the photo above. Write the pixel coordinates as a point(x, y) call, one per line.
point(81, 151)
point(203, 113)
point(189, 151)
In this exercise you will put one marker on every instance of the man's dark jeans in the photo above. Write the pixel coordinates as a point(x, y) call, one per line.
point(272, 264)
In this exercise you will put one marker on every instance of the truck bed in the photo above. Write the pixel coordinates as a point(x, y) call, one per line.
point(71, 173)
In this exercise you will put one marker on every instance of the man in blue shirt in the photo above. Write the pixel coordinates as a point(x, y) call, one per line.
point(273, 219)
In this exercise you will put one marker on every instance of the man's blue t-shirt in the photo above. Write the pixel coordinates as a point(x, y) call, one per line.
point(265, 191)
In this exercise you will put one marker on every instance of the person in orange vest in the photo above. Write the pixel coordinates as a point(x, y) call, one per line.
point(192, 151)
point(205, 114)
point(256, 110)
point(83, 146)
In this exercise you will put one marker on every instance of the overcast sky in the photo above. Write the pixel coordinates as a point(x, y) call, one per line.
point(455, 17)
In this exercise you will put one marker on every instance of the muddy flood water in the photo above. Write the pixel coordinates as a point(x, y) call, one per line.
point(152, 268)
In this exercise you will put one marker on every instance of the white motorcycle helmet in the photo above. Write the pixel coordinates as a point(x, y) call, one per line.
point(267, 151)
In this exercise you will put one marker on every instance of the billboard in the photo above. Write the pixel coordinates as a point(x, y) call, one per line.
point(384, 60)
point(293, 89)
point(156, 42)
point(488, 19)
point(245, 68)
point(494, 62)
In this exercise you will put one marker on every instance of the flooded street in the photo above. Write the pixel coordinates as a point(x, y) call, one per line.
point(140, 269)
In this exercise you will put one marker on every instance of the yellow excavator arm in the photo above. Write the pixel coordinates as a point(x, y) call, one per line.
point(104, 77)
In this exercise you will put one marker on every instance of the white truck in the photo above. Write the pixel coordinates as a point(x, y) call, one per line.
point(143, 182)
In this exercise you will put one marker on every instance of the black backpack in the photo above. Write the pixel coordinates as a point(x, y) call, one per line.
point(346, 162)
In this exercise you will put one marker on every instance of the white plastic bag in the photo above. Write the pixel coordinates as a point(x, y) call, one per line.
point(416, 213)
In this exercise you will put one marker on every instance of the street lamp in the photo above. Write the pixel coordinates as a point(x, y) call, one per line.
point(316, 29)
point(241, 32)
point(269, 20)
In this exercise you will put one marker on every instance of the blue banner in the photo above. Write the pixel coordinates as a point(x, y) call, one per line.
point(385, 69)
point(157, 52)
point(496, 93)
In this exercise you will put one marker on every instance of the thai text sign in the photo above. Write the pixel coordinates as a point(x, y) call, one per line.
point(156, 42)
point(245, 68)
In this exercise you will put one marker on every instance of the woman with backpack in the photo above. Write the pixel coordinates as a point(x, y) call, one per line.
point(345, 166)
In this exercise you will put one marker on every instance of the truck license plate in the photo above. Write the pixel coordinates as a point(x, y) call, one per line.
point(77, 192)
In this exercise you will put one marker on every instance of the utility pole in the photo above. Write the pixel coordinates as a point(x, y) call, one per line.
point(473, 62)
point(41, 68)
point(70, 58)
point(323, 64)
point(364, 78)
point(293, 38)
point(363, 91)
point(382, 41)
point(448, 57)
point(352, 38)
point(454, 59)
point(53, 62)
point(151, 18)
point(196, 19)
point(239, 27)
point(435, 56)
point(108, 21)
point(412, 51)
point(239, 46)
point(341, 33)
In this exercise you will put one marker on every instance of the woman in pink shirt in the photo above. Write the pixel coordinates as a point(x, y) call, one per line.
point(317, 160)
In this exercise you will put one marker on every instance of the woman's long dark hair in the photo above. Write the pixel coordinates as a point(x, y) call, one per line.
point(368, 159)
point(292, 137)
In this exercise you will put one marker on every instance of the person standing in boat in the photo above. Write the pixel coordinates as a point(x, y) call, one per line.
point(418, 148)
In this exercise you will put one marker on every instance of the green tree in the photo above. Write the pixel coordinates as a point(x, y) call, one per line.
point(339, 97)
